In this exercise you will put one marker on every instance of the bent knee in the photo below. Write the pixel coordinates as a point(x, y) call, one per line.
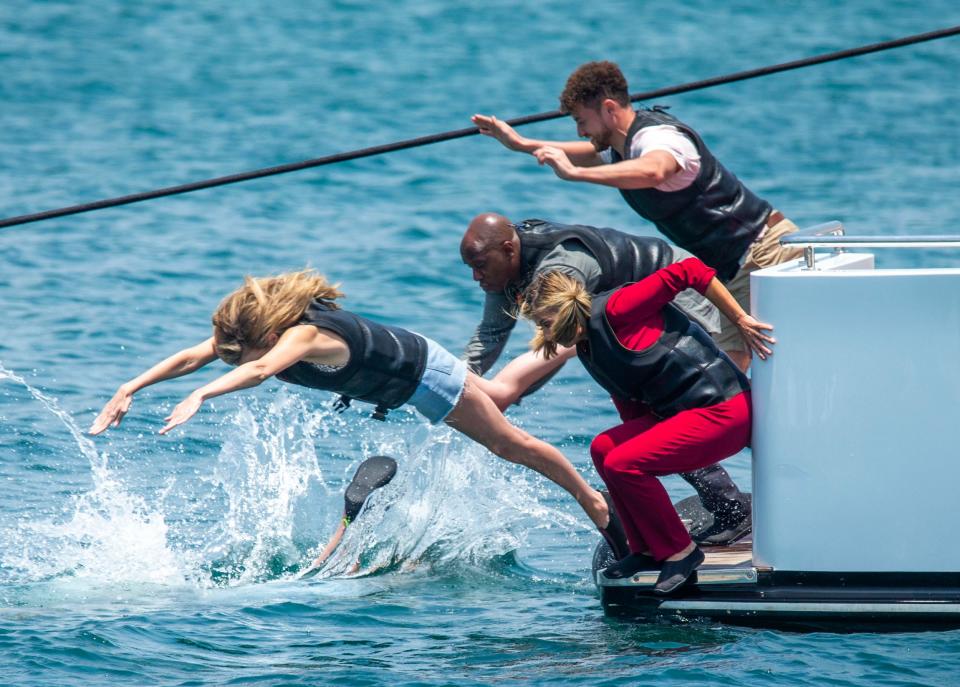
point(621, 462)
point(600, 448)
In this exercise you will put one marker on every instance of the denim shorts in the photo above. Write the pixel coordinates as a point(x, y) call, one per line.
point(441, 384)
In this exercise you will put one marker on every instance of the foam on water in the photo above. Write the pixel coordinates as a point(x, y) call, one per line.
point(451, 503)
point(105, 537)
point(270, 478)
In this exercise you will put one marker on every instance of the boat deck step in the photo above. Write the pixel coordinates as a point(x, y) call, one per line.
point(723, 565)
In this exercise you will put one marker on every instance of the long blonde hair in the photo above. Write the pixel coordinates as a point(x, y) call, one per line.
point(562, 298)
point(263, 306)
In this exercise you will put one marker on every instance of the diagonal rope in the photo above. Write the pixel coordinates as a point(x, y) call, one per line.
point(471, 131)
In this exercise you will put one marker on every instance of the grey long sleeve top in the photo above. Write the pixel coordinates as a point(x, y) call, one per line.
point(500, 310)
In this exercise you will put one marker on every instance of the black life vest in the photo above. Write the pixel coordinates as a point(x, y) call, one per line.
point(385, 367)
point(684, 369)
point(716, 218)
point(622, 258)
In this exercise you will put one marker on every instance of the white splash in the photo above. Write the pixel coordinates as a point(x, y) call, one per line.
point(106, 535)
point(270, 477)
point(274, 502)
point(451, 502)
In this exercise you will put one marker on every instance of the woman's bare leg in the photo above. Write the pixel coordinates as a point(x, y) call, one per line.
point(478, 417)
point(328, 549)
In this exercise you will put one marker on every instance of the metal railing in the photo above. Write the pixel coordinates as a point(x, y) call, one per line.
point(807, 238)
point(831, 235)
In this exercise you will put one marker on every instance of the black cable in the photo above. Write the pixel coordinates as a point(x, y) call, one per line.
point(462, 133)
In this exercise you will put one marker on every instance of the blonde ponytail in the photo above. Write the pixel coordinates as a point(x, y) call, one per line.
point(561, 299)
point(263, 306)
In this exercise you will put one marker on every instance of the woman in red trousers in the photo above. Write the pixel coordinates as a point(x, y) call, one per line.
point(684, 404)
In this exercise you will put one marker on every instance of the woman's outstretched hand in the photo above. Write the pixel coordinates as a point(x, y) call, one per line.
point(755, 334)
point(113, 412)
point(185, 410)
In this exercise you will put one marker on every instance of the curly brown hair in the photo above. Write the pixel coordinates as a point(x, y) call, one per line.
point(592, 83)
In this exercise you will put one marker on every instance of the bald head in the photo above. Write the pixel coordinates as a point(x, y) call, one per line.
point(484, 232)
point(491, 248)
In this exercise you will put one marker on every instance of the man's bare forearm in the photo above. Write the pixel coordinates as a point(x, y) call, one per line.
point(581, 153)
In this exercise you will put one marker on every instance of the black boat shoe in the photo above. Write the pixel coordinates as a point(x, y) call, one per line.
point(630, 566)
point(725, 530)
point(613, 532)
point(674, 574)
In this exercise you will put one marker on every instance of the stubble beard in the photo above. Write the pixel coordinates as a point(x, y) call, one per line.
point(601, 141)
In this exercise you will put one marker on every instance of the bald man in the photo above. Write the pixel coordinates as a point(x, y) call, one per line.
point(505, 257)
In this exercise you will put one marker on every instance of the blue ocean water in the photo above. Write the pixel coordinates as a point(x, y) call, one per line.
point(135, 558)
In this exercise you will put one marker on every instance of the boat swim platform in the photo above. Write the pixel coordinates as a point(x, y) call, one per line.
point(723, 564)
point(728, 588)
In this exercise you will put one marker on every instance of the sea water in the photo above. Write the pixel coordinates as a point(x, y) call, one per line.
point(133, 558)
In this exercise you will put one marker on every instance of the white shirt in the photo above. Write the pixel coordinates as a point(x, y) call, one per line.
point(670, 139)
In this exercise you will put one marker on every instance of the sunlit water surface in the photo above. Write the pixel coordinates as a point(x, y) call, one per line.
point(138, 559)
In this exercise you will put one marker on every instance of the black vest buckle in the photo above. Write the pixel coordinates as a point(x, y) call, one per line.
point(341, 404)
point(380, 412)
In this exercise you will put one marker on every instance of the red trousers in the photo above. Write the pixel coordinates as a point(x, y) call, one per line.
point(630, 457)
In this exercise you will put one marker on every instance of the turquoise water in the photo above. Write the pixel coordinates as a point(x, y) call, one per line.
point(137, 559)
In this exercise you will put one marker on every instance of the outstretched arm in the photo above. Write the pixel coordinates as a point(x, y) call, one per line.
point(521, 374)
point(661, 287)
point(184, 362)
point(295, 344)
point(646, 171)
point(580, 152)
point(490, 336)
point(753, 331)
